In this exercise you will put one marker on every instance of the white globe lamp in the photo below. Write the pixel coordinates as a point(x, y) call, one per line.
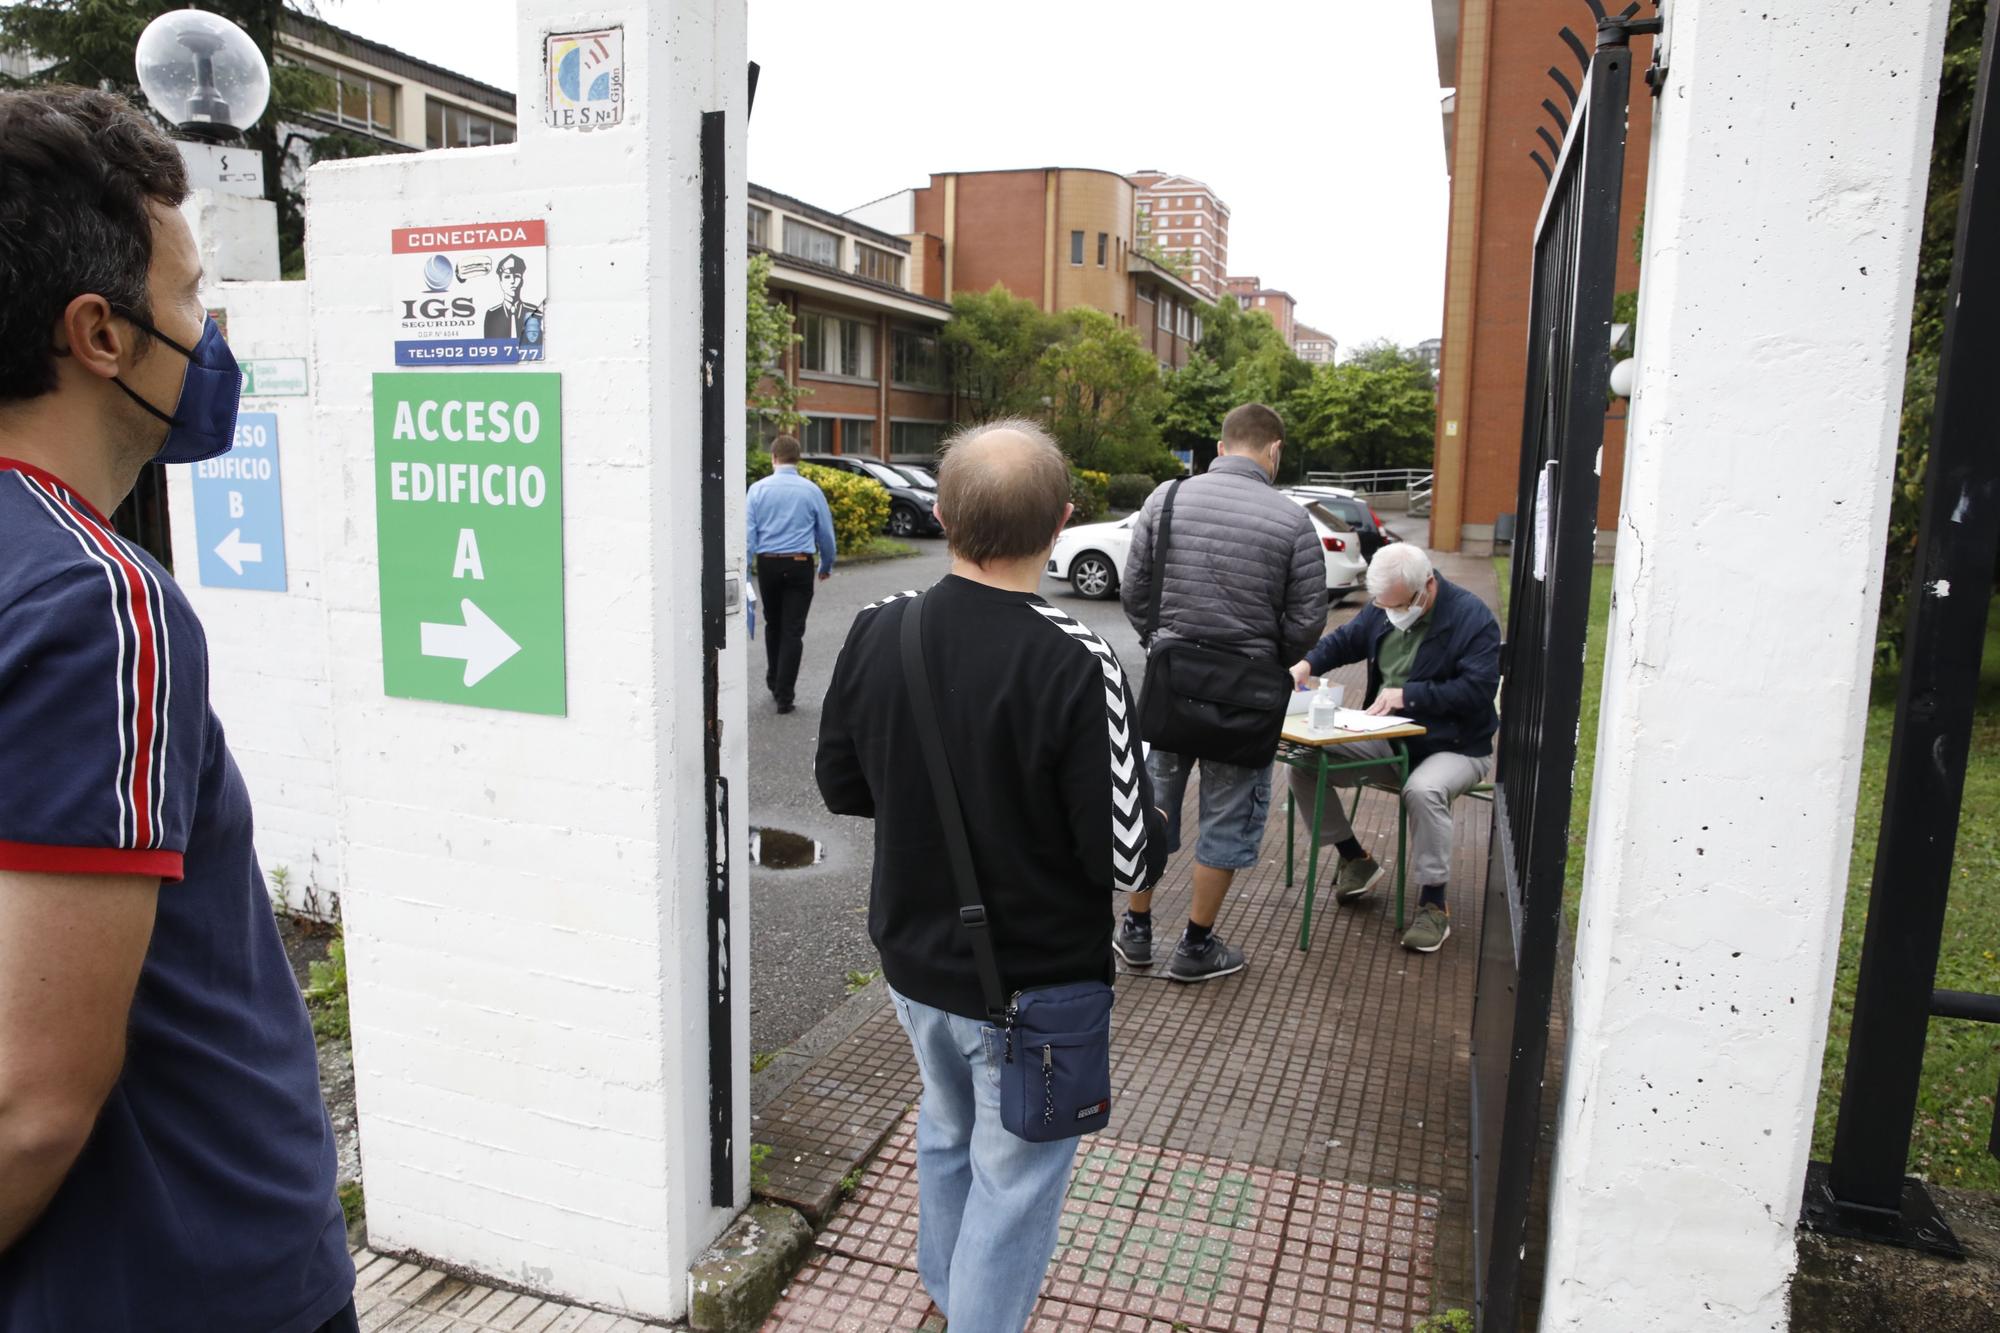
point(1622, 377)
point(203, 74)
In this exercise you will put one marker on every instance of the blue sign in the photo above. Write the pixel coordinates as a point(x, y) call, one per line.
point(239, 510)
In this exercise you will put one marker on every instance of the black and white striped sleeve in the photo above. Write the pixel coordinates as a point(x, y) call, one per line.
point(1109, 798)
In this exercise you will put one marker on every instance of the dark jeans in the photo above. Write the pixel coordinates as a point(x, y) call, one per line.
point(785, 587)
point(344, 1322)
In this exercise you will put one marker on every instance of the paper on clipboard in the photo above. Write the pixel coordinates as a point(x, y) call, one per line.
point(1353, 719)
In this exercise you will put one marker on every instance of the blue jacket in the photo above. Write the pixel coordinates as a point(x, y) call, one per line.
point(785, 514)
point(1452, 681)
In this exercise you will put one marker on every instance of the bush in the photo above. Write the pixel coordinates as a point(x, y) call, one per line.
point(860, 506)
point(1128, 490)
point(1166, 468)
point(1087, 493)
point(756, 466)
point(326, 992)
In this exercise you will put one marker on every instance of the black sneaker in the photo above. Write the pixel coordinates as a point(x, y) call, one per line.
point(1203, 962)
point(1134, 942)
point(786, 707)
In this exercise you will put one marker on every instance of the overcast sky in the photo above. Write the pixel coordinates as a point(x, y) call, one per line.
point(1316, 121)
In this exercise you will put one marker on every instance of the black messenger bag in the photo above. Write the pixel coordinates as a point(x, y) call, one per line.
point(1206, 702)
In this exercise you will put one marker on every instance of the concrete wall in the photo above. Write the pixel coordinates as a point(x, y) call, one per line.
point(268, 650)
point(526, 895)
point(1788, 175)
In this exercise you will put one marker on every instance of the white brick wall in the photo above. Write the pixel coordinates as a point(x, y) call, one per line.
point(268, 650)
point(526, 895)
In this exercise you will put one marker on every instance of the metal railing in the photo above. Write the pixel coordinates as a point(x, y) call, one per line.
point(1864, 1190)
point(1379, 481)
point(1576, 244)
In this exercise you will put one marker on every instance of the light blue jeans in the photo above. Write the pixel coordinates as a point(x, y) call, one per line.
point(989, 1204)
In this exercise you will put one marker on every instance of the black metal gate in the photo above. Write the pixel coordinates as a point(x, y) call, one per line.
point(1569, 365)
point(1863, 1191)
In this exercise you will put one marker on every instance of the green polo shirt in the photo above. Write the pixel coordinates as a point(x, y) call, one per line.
point(1399, 650)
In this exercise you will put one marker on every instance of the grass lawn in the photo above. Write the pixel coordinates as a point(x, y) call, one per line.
point(1961, 1059)
point(877, 547)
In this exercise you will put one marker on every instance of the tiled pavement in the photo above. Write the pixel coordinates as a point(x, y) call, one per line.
point(401, 1297)
point(1289, 1147)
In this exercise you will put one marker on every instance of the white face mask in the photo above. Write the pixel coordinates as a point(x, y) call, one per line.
point(1404, 616)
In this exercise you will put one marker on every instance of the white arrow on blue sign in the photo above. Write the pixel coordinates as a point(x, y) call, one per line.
point(239, 511)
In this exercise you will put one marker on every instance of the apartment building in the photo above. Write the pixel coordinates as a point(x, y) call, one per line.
point(1252, 294)
point(1061, 237)
point(868, 361)
point(1312, 346)
point(1495, 69)
point(1182, 218)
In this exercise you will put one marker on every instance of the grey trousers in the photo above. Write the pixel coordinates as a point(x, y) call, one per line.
point(1434, 784)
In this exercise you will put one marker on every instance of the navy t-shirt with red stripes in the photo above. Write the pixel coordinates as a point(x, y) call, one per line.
point(205, 1196)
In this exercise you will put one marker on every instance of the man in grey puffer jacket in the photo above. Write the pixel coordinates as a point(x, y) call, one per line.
point(1245, 571)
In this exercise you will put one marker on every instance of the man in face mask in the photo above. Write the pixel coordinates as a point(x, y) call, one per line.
point(165, 1158)
point(1433, 654)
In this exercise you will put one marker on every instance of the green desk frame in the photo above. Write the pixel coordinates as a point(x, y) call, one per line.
point(1319, 758)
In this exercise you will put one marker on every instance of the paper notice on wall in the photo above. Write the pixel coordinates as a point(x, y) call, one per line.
point(1542, 521)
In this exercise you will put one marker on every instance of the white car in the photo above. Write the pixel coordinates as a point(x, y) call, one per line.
point(1091, 555)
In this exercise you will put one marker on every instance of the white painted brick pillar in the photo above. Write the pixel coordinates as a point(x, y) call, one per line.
point(525, 895)
point(1790, 150)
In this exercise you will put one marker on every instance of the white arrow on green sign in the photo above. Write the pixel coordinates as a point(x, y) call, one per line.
point(468, 506)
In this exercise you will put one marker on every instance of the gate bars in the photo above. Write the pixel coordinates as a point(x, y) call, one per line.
point(1569, 366)
point(1863, 1192)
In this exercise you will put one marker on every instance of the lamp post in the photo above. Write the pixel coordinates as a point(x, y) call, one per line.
point(204, 76)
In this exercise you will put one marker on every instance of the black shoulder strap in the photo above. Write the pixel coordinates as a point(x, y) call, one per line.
point(971, 911)
point(1163, 540)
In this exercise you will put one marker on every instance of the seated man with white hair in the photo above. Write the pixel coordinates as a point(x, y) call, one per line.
point(1433, 654)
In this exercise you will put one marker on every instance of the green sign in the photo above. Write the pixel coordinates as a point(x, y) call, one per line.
point(469, 528)
point(280, 377)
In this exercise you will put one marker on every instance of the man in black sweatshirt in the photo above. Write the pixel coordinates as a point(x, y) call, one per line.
point(1037, 721)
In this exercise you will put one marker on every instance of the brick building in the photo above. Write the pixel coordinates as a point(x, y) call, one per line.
point(1252, 294)
point(1061, 237)
point(1183, 219)
point(868, 356)
point(1494, 63)
point(1314, 347)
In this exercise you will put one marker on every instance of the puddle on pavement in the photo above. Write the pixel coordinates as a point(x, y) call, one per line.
point(781, 849)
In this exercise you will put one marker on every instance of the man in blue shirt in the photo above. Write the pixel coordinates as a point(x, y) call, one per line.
point(788, 523)
point(165, 1158)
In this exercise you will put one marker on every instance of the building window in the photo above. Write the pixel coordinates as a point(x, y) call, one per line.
point(817, 436)
point(879, 265)
point(760, 227)
point(836, 346)
point(1165, 309)
point(448, 126)
point(921, 438)
point(1181, 319)
point(361, 101)
point(1103, 247)
point(857, 437)
point(815, 245)
point(1197, 328)
point(914, 359)
point(1076, 248)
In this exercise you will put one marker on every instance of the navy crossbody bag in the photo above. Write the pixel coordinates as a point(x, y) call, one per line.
point(1055, 1081)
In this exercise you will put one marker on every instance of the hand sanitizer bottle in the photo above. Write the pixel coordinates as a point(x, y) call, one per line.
point(1325, 704)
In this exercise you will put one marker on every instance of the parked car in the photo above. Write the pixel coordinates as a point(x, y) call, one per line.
point(910, 505)
point(1357, 513)
point(1091, 556)
point(920, 477)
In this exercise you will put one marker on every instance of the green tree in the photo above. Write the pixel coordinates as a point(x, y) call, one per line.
point(1198, 396)
point(91, 43)
point(1376, 410)
point(767, 335)
point(994, 343)
point(1954, 124)
point(1261, 366)
point(1103, 392)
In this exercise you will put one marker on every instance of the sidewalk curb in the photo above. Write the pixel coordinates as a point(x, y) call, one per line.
point(739, 1279)
point(793, 1061)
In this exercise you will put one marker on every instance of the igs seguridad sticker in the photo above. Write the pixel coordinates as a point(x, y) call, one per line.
point(471, 294)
